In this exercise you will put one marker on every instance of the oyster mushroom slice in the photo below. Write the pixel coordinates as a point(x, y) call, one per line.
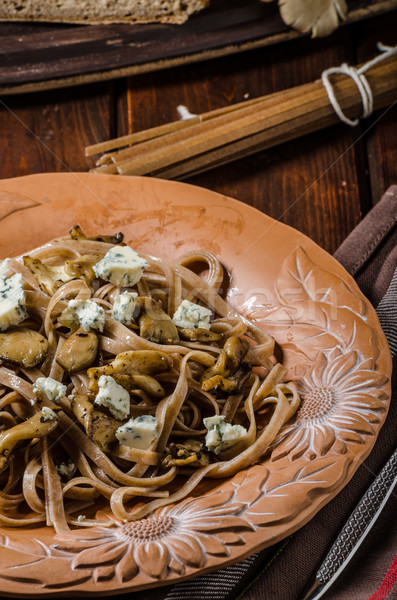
point(76, 233)
point(232, 383)
point(229, 373)
point(79, 351)
point(82, 409)
point(199, 335)
point(155, 324)
point(145, 383)
point(49, 278)
point(132, 362)
point(38, 426)
point(235, 350)
point(99, 427)
point(102, 430)
point(23, 346)
point(82, 267)
point(190, 453)
point(229, 359)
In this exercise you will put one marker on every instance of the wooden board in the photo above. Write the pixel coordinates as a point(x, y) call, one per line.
point(46, 56)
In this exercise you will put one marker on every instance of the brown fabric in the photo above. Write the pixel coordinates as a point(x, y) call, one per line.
point(369, 253)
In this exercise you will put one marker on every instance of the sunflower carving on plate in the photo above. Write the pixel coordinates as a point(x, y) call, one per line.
point(172, 540)
point(321, 326)
point(342, 398)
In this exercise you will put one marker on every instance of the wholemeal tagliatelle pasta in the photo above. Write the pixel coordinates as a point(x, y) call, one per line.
point(124, 381)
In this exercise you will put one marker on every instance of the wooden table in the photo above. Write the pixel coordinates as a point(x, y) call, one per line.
point(321, 184)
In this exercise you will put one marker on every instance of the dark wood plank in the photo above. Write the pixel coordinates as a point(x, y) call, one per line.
point(48, 132)
point(101, 47)
point(380, 130)
point(53, 55)
point(310, 183)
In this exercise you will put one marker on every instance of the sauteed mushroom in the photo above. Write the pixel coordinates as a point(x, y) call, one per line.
point(76, 233)
point(133, 362)
point(99, 427)
point(229, 373)
point(232, 383)
point(79, 351)
point(146, 383)
point(82, 408)
point(199, 335)
point(154, 323)
point(190, 453)
point(49, 278)
point(102, 430)
point(235, 350)
point(82, 267)
point(23, 346)
point(38, 426)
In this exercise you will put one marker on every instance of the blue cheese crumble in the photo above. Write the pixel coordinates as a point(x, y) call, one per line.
point(48, 414)
point(66, 469)
point(122, 266)
point(54, 390)
point(192, 316)
point(5, 267)
point(83, 313)
point(139, 432)
point(113, 396)
point(222, 436)
point(123, 307)
point(12, 301)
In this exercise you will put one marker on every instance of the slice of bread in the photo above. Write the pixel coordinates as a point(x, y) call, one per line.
point(100, 11)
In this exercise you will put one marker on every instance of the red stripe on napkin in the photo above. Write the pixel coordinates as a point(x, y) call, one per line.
point(388, 582)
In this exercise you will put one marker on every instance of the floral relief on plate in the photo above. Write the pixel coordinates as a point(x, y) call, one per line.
point(334, 352)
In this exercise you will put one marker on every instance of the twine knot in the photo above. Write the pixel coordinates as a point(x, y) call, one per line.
point(360, 80)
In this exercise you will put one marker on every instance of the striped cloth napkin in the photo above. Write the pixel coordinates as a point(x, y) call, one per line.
point(282, 572)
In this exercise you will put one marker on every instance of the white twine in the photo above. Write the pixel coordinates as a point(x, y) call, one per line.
point(360, 80)
point(184, 113)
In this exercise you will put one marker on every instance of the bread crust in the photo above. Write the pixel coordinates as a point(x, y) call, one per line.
point(163, 11)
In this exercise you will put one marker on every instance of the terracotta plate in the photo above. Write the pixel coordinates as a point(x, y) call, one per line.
point(331, 342)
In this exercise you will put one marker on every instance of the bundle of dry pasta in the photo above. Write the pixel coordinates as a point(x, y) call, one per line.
point(183, 148)
point(121, 373)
